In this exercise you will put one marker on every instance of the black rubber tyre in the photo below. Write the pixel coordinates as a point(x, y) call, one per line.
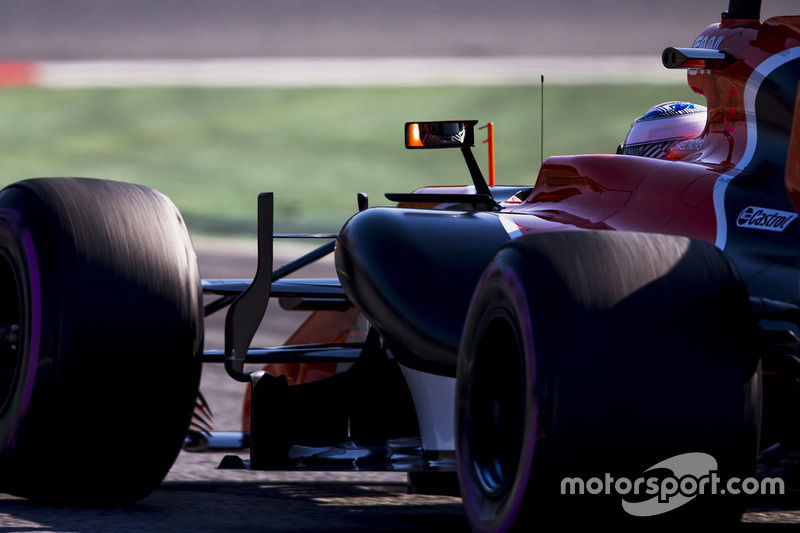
point(587, 353)
point(97, 386)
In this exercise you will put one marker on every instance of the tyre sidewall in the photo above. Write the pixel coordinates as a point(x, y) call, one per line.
point(501, 294)
point(17, 247)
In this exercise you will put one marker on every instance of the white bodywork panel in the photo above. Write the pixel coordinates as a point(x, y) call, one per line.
point(434, 399)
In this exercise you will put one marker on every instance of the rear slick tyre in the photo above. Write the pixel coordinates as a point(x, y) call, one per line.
point(101, 354)
point(587, 354)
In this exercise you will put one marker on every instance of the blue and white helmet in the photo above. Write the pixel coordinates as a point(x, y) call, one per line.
point(654, 133)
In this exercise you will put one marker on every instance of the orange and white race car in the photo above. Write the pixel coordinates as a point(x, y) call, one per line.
point(616, 337)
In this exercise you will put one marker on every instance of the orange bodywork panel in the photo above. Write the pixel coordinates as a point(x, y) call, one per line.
point(325, 327)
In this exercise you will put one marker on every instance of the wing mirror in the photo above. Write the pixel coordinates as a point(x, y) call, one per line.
point(440, 134)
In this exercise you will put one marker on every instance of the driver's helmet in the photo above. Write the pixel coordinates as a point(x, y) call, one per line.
point(654, 133)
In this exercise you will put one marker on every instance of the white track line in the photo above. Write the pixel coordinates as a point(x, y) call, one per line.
point(354, 72)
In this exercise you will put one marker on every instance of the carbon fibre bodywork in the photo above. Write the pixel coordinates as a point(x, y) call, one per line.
point(411, 273)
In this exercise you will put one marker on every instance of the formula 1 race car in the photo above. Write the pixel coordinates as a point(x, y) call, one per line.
point(625, 313)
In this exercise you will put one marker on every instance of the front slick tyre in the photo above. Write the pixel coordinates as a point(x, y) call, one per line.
point(101, 355)
point(587, 354)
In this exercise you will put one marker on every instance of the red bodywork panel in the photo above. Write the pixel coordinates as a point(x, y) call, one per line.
point(620, 192)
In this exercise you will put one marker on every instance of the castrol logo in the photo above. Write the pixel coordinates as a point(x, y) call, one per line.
point(767, 219)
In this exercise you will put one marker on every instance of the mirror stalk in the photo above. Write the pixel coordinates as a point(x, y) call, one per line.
point(477, 176)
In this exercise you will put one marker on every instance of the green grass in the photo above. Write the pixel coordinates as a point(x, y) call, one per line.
point(213, 150)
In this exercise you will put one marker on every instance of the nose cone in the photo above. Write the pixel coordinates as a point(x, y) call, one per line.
point(412, 273)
